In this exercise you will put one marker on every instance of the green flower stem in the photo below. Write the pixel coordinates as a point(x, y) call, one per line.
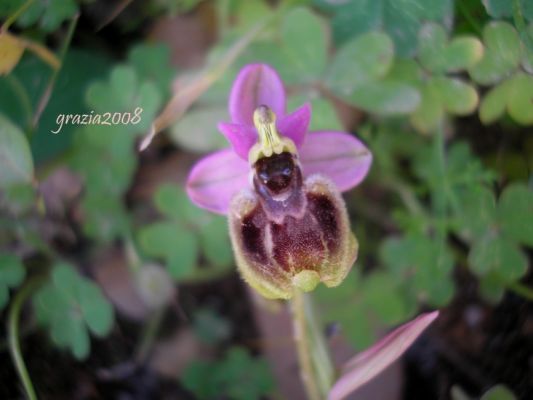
point(313, 356)
point(13, 334)
point(148, 336)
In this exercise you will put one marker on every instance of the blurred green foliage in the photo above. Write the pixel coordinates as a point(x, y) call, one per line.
point(405, 69)
point(71, 306)
point(238, 376)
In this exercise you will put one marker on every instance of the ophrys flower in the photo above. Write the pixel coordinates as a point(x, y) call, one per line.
point(281, 189)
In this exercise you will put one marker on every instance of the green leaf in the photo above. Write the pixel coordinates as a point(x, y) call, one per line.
point(197, 130)
point(494, 104)
point(50, 13)
point(215, 242)
point(504, 8)
point(520, 98)
point(424, 264)
point(491, 287)
point(16, 164)
point(152, 62)
point(406, 70)
point(386, 97)
point(502, 54)
point(238, 377)
point(515, 213)
point(12, 273)
point(401, 19)
point(172, 201)
point(324, 116)
point(498, 392)
point(210, 327)
point(124, 93)
point(478, 211)
point(360, 61)
point(441, 95)
point(381, 292)
point(172, 242)
point(304, 41)
point(496, 253)
point(104, 216)
point(430, 112)
point(97, 312)
point(456, 96)
point(437, 55)
point(68, 305)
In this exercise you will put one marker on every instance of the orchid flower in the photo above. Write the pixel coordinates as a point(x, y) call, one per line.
point(280, 187)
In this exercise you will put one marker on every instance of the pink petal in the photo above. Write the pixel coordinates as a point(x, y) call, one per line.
point(255, 85)
point(366, 365)
point(338, 155)
point(214, 180)
point(296, 124)
point(241, 137)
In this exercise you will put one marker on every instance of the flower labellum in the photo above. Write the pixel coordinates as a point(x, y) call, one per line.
point(281, 190)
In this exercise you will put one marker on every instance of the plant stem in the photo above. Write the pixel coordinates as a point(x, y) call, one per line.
point(43, 101)
point(148, 336)
point(521, 289)
point(313, 356)
point(13, 335)
point(12, 18)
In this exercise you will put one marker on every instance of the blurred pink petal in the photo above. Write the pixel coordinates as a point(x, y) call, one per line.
point(296, 124)
point(214, 180)
point(256, 84)
point(338, 155)
point(241, 137)
point(366, 365)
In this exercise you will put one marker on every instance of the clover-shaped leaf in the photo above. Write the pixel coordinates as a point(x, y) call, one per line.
point(504, 8)
point(400, 19)
point(443, 95)
point(152, 63)
point(124, 93)
point(324, 114)
point(178, 239)
point(515, 211)
point(514, 95)
point(502, 53)
point(437, 54)
point(49, 13)
point(362, 294)
point(238, 376)
point(197, 131)
point(71, 306)
point(423, 262)
point(496, 253)
point(172, 242)
point(12, 273)
point(387, 97)
point(16, 163)
point(360, 61)
point(304, 45)
point(496, 231)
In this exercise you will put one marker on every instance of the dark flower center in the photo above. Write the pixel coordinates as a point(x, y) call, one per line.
point(276, 172)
